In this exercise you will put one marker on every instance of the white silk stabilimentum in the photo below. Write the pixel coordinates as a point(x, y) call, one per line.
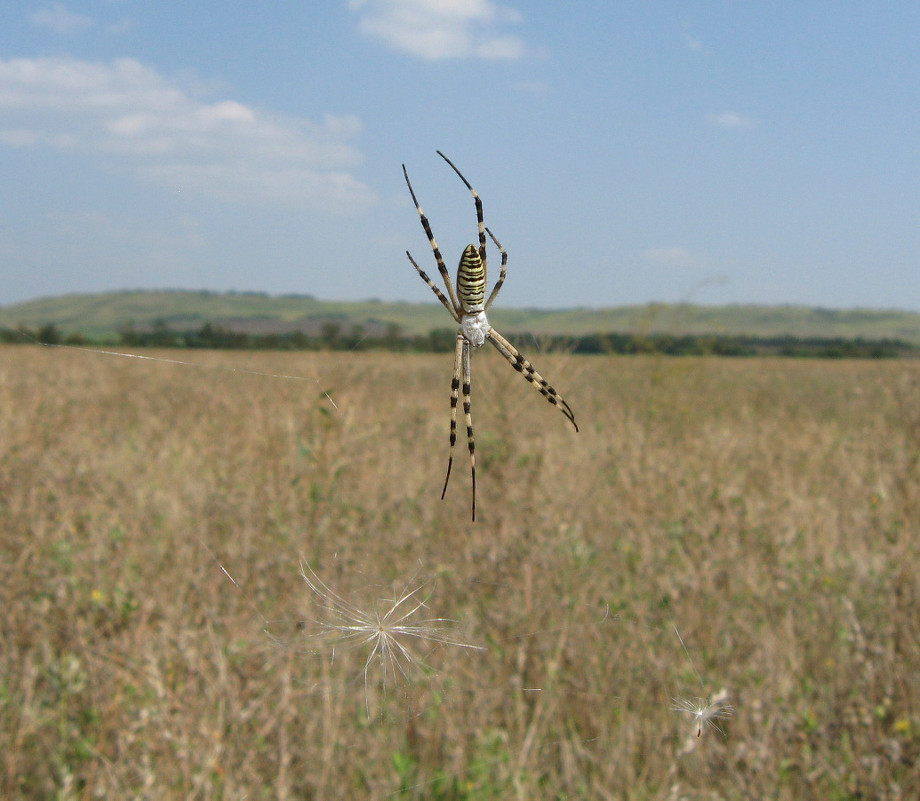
point(475, 328)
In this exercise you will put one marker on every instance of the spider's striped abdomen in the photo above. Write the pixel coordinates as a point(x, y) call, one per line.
point(471, 281)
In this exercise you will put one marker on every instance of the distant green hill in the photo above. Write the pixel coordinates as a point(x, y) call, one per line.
point(106, 315)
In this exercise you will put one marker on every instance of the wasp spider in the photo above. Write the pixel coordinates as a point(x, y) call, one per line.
point(468, 306)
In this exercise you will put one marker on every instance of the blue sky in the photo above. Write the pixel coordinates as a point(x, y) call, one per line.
point(626, 152)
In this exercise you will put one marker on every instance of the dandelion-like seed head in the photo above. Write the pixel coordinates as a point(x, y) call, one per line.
point(705, 712)
point(387, 630)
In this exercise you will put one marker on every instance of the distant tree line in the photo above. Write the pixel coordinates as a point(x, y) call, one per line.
point(46, 335)
point(333, 336)
point(737, 345)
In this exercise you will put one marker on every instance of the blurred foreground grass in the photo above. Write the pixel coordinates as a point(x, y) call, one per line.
point(768, 509)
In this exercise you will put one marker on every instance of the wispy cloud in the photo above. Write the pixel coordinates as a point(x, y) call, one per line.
point(60, 20)
point(137, 119)
point(731, 119)
point(690, 40)
point(532, 87)
point(442, 29)
point(669, 256)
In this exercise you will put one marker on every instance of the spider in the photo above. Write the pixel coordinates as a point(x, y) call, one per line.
point(468, 306)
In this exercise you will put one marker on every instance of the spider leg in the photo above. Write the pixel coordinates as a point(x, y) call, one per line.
point(526, 369)
point(434, 288)
point(454, 396)
point(501, 275)
point(434, 247)
point(479, 218)
point(469, 417)
point(461, 372)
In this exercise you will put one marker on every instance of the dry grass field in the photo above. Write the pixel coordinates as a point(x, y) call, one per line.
point(765, 510)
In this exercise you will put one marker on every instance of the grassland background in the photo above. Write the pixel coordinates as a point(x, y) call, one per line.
point(767, 508)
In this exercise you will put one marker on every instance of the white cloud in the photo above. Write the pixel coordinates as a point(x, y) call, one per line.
point(60, 20)
point(731, 119)
point(441, 29)
point(135, 118)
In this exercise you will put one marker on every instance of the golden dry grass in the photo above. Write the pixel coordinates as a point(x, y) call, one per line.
point(767, 509)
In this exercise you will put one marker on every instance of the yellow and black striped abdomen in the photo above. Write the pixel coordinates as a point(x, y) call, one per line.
point(471, 281)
